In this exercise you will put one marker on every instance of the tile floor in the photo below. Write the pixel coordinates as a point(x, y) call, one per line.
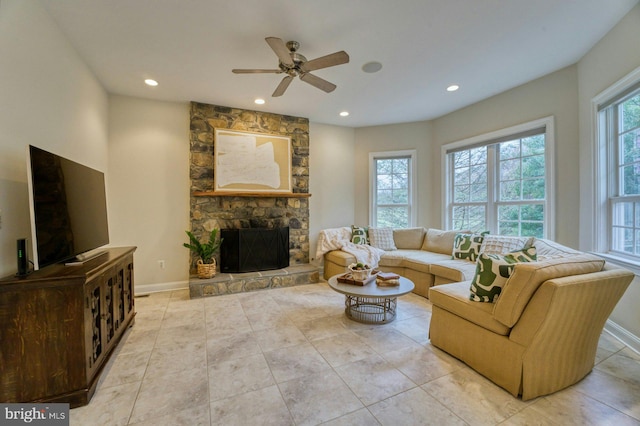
point(290, 357)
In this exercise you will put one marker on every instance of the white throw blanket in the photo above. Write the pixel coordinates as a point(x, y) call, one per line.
point(332, 239)
point(363, 253)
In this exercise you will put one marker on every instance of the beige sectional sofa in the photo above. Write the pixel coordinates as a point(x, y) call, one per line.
point(423, 256)
point(541, 333)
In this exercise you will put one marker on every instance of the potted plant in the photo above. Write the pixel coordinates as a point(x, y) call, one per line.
point(206, 262)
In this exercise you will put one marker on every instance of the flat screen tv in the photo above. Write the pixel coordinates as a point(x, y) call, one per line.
point(68, 209)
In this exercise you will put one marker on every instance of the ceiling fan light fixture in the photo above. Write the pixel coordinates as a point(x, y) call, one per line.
point(293, 64)
point(372, 67)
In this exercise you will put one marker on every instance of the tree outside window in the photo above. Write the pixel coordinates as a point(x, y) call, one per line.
point(501, 185)
point(392, 189)
point(623, 122)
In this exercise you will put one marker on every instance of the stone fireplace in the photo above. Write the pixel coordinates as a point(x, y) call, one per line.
point(238, 211)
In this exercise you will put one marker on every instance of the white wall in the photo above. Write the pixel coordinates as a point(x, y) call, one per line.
point(612, 58)
point(394, 137)
point(554, 95)
point(149, 185)
point(331, 180)
point(49, 99)
point(149, 181)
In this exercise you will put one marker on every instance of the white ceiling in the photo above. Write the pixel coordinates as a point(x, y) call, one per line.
point(190, 47)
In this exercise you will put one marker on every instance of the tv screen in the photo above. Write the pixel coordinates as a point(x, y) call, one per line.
point(68, 208)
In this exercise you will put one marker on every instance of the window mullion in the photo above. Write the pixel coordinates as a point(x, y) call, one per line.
point(493, 190)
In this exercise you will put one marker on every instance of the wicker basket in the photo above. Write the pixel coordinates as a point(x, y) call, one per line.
point(206, 270)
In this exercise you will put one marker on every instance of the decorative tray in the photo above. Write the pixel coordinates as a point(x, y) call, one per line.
point(347, 278)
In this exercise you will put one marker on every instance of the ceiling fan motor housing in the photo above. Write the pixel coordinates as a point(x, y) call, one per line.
point(297, 58)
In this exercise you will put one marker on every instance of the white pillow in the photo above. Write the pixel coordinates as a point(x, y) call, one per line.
point(501, 244)
point(382, 238)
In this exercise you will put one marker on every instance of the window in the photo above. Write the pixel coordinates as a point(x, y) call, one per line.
point(392, 189)
point(502, 182)
point(619, 136)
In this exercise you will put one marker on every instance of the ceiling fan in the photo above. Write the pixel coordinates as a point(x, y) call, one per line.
point(294, 64)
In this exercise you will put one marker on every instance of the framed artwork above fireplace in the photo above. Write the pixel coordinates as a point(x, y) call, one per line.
point(251, 162)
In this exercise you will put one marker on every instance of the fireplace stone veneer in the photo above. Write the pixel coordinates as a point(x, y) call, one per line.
point(223, 283)
point(226, 212)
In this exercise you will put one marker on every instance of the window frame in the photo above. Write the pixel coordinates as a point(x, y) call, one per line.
point(413, 181)
point(605, 177)
point(493, 202)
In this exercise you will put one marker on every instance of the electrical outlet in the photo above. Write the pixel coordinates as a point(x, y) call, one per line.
point(161, 264)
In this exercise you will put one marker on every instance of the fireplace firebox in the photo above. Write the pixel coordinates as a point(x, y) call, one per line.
point(254, 249)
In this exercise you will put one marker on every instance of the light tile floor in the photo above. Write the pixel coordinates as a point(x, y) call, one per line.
point(290, 357)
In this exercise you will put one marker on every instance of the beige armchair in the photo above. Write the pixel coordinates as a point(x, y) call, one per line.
point(542, 333)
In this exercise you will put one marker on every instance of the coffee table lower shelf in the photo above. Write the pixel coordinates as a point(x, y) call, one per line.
point(371, 304)
point(370, 310)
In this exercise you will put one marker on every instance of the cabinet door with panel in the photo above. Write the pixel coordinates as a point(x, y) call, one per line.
point(109, 306)
point(94, 329)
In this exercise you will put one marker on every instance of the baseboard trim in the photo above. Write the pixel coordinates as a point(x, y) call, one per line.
point(622, 334)
point(158, 287)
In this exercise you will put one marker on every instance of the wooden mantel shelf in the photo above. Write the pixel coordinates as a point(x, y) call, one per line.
point(250, 194)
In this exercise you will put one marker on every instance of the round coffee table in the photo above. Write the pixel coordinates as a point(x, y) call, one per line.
point(371, 304)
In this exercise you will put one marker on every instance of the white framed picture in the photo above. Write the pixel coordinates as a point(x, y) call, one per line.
point(251, 162)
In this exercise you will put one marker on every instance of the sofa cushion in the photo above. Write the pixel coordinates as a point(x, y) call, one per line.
point(455, 299)
point(420, 260)
point(359, 235)
point(394, 258)
point(548, 249)
point(501, 244)
point(467, 246)
point(409, 238)
point(382, 238)
point(439, 241)
point(527, 277)
point(340, 257)
point(493, 270)
point(453, 270)
point(401, 257)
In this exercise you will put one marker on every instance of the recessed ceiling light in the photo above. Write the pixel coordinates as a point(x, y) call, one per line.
point(453, 88)
point(344, 113)
point(259, 101)
point(371, 67)
point(150, 82)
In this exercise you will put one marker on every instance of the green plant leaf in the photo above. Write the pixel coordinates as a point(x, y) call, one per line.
point(207, 250)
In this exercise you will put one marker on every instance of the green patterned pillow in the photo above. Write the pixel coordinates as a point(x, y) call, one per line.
point(467, 246)
point(359, 235)
point(492, 272)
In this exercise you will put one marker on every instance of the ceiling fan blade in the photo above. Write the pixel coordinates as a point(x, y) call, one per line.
point(282, 86)
point(281, 50)
point(255, 71)
point(318, 82)
point(331, 60)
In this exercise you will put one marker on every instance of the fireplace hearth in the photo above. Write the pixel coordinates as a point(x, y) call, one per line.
point(254, 249)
